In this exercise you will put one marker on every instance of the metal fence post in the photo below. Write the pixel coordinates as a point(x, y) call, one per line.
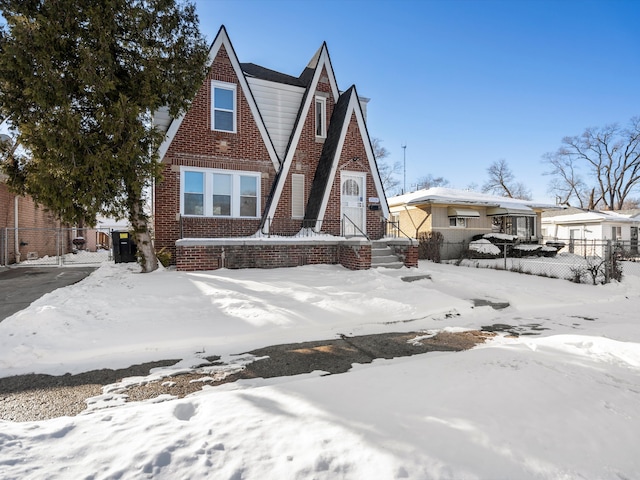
point(608, 262)
point(3, 247)
point(58, 236)
point(504, 248)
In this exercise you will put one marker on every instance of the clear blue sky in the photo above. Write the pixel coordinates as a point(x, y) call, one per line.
point(462, 83)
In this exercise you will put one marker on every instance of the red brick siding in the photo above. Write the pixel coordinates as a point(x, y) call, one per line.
point(306, 157)
point(196, 145)
point(202, 257)
point(354, 149)
point(355, 257)
point(33, 223)
point(409, 254)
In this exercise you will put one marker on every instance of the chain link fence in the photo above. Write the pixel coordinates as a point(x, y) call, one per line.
point(60, 246)
point(579, 261)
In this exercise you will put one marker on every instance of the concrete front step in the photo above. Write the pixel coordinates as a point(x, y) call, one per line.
point(382, 256)
point(396, 264)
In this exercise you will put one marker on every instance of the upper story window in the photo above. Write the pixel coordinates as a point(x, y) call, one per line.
point(219, 193)
point(321, 117)
point(223, 106)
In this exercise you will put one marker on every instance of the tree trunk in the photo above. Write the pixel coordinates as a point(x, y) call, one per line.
point(140, 224)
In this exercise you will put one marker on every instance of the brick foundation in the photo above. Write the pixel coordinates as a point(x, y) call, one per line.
point(211, 254)
point(406, 249)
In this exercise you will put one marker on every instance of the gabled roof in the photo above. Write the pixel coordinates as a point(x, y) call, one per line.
point(348, 105)
point(450, 196)
point(579, 216)
point(222, 40)
point(327, 157)
point(256, 71)
point(319, 62)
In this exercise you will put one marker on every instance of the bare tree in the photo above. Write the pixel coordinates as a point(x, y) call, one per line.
point(387, 170)
point(502, 182)
point(429, 181)
point(598, 169)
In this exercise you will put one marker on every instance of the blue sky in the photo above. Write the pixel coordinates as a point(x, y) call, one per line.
point(462, 83)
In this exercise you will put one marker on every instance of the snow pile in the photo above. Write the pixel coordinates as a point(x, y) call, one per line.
point(484, 247)
point(561, 404)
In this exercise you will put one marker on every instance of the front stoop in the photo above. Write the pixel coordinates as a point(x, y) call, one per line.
point(384, 256)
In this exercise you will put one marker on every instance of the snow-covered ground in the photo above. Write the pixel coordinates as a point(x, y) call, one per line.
point(563, 404)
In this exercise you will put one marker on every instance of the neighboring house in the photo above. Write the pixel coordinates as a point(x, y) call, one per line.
point(267, 169)
point(586, 232)
point(460, 215)
point(22, 223)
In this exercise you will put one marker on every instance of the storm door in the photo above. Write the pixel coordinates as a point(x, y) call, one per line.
point(352, 201)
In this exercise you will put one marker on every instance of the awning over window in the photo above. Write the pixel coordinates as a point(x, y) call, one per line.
point(521, 211)
point(463, 212)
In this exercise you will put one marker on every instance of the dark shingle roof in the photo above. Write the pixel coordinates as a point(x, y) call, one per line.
point(329, 151)
point(256, 71)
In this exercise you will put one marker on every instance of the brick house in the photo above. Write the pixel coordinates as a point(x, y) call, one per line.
point(22, 222)
point(269, 170)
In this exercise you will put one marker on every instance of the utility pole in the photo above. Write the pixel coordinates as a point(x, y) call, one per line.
point(404, 159)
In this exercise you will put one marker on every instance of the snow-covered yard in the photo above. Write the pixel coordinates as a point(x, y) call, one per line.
point(563, 404)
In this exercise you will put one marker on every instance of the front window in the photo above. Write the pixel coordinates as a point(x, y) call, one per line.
point(193, 193)
point(219, 193)
point(248, 196)
point(521, 227)
point(222, 194)
point(459, 222)
point(223, 106)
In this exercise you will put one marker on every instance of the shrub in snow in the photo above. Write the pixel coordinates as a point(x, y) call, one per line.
point(500, 237)
point(502, 241)
point(483, 249)
point(526, 250)
point(429, 245)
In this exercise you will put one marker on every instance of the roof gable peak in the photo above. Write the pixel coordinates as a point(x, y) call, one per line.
point(222, 40)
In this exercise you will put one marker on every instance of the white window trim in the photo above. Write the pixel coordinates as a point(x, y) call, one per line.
point(208, 191)
point(323, 118)
point(464, 221)
point(226, 86)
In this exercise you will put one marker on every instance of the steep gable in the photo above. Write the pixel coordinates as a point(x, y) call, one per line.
point(221, 52)
point(347, 121)
point(318, 72)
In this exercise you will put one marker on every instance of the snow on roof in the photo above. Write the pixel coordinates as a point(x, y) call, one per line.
point(590, 217)
point(450, 196)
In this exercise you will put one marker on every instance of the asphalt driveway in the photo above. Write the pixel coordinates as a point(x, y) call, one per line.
point(20, 286)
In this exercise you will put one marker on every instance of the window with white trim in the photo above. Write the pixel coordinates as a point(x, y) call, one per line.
point(616, 234)
point(223, 106)
point(193, 193)
point(321, 116)
point(219, 193)
point(297, 195)
point(458, 222)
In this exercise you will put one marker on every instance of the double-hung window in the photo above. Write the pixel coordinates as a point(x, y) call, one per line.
point(193, 193)
point(321, 117)
point(221, 190)
point(219, 193)
point(616, 234)
point(223, 106)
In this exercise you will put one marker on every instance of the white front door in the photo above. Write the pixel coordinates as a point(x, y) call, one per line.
point(352, 200)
